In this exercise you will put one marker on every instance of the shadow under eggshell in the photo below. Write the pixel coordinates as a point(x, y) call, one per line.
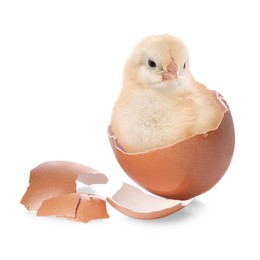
point(185, 169)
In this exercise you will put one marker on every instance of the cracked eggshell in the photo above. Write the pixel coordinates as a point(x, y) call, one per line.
point(54, 178)
point(80, 207)
point(185, 169)
point(134, 203)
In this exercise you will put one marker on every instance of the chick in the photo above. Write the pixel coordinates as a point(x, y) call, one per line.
point(160, 102)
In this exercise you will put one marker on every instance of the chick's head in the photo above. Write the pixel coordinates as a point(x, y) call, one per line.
point(159, 61)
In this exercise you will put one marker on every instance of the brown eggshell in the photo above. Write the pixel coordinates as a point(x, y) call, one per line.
point(134, 203)
point(91, 207)
point(74, 206)
point(185, 169)
point(54, 178)
point(60, 206)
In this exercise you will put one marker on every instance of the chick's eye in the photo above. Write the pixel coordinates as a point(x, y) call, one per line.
point(184, 66)
point(151, 64)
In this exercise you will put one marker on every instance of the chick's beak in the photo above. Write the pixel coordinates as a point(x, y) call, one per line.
point(171, 72)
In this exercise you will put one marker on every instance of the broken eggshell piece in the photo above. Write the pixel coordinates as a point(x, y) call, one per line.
point(75, 206)
point(187, 168)
point(134, 203)
point(54, 178)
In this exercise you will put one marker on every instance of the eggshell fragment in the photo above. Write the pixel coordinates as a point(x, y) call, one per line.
point(60, 206)
point(54, 178)
point(187, 168)
point(134, 203)
point(91, 207)
point(75, 206)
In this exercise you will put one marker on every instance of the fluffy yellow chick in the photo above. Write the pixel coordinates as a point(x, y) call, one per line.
point(160, 103)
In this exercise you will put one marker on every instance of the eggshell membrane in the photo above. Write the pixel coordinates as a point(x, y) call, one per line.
point(134, 203)
point(54, 178)
point(187, 168)
point(75, 206)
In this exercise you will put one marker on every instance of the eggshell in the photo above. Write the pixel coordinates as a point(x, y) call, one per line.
point(60, 206)
point(134, 203)
point(54, 178)
point(185, 169)
point(74, 206)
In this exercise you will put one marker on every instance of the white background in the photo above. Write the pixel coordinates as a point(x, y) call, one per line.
point(60, 72)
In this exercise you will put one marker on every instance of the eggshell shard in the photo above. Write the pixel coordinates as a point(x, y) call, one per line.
point(54, 178)
point(91, 207)
point(60, 206)
point(134, 203)
point(185, 169)
point(75, 206)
